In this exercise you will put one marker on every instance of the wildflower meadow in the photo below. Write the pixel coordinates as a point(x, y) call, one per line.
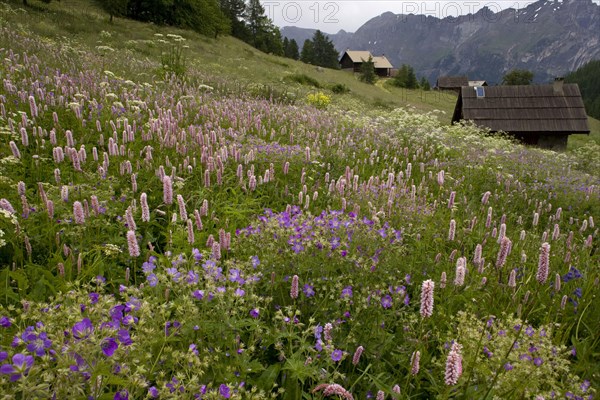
point(176, 236)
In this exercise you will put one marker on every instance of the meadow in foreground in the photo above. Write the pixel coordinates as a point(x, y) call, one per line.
point(172, 239)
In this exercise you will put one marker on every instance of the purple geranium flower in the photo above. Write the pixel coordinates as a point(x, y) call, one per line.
point(192, 277)
point(153, 392)
point(124, 338)
point(39, 344)
point(335, 242)
point(82, 329)
point(337, 355)
point(21, 364)
point(309, 291)
point(148, 267)
point(174, 274)
point(198, 294)
point(254, 313)
point(347, 292)
point(529, 331)
point(109, 346)
point(122, 394)
point(5, 322)
point(234, 275)
point(386, 301)
point(224, 391)
point(94, 297)
point(174, 386)
point(318, 331)
point(297, 246)
point(152, 280)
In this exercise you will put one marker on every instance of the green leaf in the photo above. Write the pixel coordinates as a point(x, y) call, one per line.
point(269, 377)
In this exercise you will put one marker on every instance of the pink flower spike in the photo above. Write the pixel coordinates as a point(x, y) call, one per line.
point(453, 365)
point(134, 248)
point(452, 230)
point(543, 264)
point(145, 208)
point(78, 214)
point(182, 210)
point(427, 298)
point(333, 390)
point(167, 190)
point(415, 360)
point(357, 354)
point(294, 289)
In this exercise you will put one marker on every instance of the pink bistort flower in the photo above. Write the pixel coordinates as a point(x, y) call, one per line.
point(427, 298)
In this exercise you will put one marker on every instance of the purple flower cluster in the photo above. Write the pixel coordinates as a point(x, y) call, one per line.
point(338, 229)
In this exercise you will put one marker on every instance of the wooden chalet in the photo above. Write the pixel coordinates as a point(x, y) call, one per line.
point(454, 83)
point(478, 83)
point(352, 60)
point(542, 115)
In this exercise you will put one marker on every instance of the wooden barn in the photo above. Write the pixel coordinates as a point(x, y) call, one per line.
point(352, 60)
point(478, 83)
point(454, 83)
point(542, 115)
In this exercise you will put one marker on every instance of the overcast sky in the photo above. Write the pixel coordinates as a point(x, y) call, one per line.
point(349, 15)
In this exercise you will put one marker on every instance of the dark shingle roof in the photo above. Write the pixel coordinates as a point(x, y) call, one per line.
point(452, 82)
point(524, 108)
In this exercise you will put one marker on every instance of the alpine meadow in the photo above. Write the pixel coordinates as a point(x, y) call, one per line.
point(186, 217)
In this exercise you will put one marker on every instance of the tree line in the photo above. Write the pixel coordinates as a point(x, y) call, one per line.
point(245, 20)
point(588, 79)
point(319, 51)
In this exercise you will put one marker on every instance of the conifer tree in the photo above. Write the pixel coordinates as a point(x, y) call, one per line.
point(292, 50)
point(367, 71)
point(307, 55)
point(234, 11)
point(320, 51)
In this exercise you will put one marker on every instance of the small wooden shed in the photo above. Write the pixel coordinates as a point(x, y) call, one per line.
point(454, 83)
point(353, 59)
point(478, 83)
point(542, 115)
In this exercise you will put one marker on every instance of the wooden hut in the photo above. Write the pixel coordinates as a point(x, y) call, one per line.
point(453, 83)
point(542, 115)
point(478, 83)
point(352, 60)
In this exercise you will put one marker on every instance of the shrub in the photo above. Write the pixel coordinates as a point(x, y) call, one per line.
point(319, 100)
point(303, 79)
point(340, 88)
point(173, 60)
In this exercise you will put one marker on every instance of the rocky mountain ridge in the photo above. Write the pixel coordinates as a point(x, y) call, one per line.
point(548, 37)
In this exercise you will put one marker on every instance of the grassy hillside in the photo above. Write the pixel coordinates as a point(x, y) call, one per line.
point(226, 59)
point(576, 141)
point(80, 22)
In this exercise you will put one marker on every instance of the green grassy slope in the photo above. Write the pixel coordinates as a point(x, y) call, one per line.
point(576, 141)
point(226, 59)
point(82, 22)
